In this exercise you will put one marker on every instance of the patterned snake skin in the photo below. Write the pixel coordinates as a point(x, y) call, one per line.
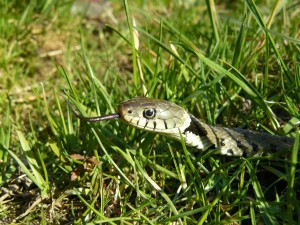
point(169, 119)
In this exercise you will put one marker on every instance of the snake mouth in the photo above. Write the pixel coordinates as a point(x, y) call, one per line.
point(121, 111)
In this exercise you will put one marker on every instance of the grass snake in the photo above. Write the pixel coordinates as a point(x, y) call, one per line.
point(171, 120)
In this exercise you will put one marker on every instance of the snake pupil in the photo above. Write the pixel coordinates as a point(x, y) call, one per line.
point(149, 113)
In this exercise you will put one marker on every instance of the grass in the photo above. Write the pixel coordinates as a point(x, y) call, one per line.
point(234, 64)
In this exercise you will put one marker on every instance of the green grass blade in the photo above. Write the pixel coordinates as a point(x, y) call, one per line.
point(263, 205)
point(291, 201)
point(5, 135)
point(213, 18)
point(158, 189)
point(32, 161)
point(37, 180)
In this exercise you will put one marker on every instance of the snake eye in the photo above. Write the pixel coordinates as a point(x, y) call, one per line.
point(149, 113)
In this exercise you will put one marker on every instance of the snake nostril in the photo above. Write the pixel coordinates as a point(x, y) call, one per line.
point(129, 111)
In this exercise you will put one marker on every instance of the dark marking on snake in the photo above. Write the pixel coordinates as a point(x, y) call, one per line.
point(222, 141)
point(195, 128)
point(154, 124)
point(230, 152)
point(146, 124)
point(254, 147)
point(213, 146)
point(239, 144)
point(166, 125)
point(273, 148)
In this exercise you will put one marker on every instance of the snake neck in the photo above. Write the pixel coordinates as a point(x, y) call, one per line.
point(232, 142)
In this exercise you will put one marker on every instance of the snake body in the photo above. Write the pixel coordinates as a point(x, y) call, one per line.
point(171, 120)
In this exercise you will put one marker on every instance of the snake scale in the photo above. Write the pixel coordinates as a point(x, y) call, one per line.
point(171, 120)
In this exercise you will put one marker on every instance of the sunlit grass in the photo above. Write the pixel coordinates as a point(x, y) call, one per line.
point(229, 64)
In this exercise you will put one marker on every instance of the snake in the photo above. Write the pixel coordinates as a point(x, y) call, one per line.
point(171, 120)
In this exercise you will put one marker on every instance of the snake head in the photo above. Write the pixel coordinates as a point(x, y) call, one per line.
point(154, 115)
